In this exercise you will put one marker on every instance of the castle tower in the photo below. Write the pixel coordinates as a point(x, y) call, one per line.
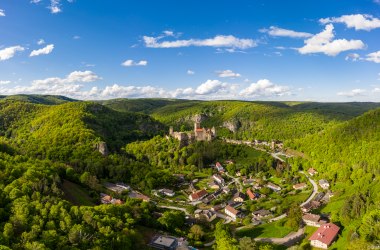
point(213, 131)
point(197, 125)
point(171, 130)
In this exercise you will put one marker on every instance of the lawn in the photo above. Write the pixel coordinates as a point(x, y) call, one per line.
point(269, 230)
point(76, 194)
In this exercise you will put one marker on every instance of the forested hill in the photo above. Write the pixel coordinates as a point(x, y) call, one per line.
point(71, 129)
point(347, 155)
point(39, 99)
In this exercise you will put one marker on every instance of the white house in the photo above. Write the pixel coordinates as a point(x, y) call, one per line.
point(324, 184)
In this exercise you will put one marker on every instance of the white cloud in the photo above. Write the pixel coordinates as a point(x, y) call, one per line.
point(73, 77)
point(357, 21)
point(352, 93)
point(130, 63)
point(190, 72)
point(324, 42)
point(210, 87)
point(41, 41)
point(228, 73)
point(55, 6)
point(275, 31)
point(44, 51)
point(376, 90)
point(2, 13)
point(263, 88)
point(217, 41)
point(352, 57)
point(3, 82)
point(376, 1)
point(373, 57)
point(35, 1)
point(76, 37)
point(9, 52)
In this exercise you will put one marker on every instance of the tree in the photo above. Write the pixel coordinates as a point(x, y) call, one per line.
point(197, 232)
point(247, 243)
point(370, 228)
point(294, 217)
point(223, 238)
point(172, 220)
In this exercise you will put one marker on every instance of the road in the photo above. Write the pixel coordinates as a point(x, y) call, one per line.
point(288, 240)
point(174, 208)
point(236, 180)
point(315, 189)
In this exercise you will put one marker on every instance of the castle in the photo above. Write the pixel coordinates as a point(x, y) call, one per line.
point(199, 134)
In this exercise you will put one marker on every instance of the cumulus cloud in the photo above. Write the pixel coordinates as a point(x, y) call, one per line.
point(130, 63)
point(2, 12)
point(44, 51)
point(357, 21)
point(73, 77)
point(276, 31)
point(352, 93)
point(352, 57)
point(190, 72)
point(264, 88)
point(9, 52)
point(373, 57)
point(228, 73)
point(217, 41)
point(55, 6)
point(324, 42)
point(210, 87)
point(376, 90)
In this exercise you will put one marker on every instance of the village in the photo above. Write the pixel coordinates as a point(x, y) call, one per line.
point(234, 198)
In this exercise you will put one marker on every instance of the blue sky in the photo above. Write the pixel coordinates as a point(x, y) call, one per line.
point(326, 50)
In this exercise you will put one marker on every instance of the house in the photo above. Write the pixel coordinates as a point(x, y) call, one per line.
point(219, 179)
point(226, 190)
point(116, 201)
point(312, 171)
point(324, 236)
point(313, 220)
point(213, 185)
point(123, 186)
point(232, 212)
point(310, 206)
point(219, 167)
point(105, 199)
point(262, 213)
point(251, 195)
point(273, 187)
point(248, 181)
point(239, 197)
point(218, 207)
point(300, 186)
point(198, 195)
point(324, 184)
point(209, 215)
point(167, 192)
point(208, 199)
point(164, 242)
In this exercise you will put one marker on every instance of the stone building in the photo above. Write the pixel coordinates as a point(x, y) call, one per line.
point(198, 134)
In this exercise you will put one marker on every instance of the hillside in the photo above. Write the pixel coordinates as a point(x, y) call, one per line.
point(347, 156)
point(72, 129)
point(39, 99)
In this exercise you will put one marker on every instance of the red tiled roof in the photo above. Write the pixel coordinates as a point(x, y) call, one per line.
point(218, 164)
point(299, 185)
point(250, 194)
point(199, 194)
point(232, 210)
point(326, 233)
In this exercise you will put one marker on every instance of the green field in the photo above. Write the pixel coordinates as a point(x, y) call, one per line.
point(76, 194)
point(269, 230)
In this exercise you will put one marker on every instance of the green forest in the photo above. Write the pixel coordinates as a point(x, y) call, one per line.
point(52, 144)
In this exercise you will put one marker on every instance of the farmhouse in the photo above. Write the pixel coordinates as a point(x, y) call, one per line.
point(219, 179)
point(219, 167)
point(324, 184)
point(313, 220)
point(262, 213)
point(312, 171)
point(252, 195)
point(324, 236)
point(299, 186)
point(198, 195)
point(232, 212)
